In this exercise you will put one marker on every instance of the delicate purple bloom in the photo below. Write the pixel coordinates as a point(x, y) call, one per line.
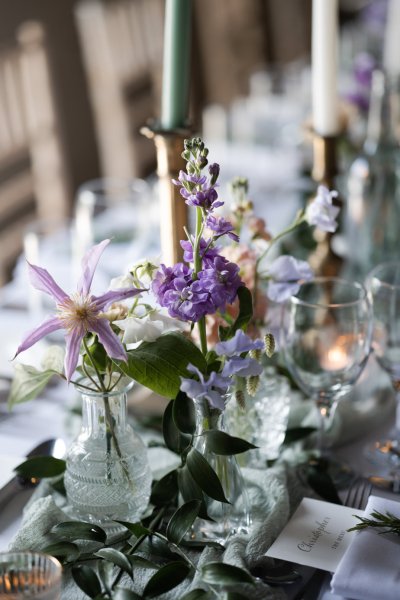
point(238, 344)
point(191, 179)
point(221, 226)
point(165, 277)
point(286, 274)
point(189, 301)
point(242, 367)
point(222, 281)
point(205, 198)
point(79, 313)
point(321, 212)
point(364, 65)
point(207, 252)
point(213, 388)
point(213, 169)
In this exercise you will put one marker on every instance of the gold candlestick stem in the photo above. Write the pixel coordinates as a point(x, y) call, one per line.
point(323, 260)
point(173, 210)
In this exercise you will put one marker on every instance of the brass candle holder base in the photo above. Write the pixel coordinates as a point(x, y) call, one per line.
point(323, 260)
point(173, 210)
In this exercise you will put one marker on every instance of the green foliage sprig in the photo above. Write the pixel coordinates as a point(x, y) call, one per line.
point(388, 523)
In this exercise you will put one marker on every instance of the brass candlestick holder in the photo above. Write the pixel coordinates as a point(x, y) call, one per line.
point(173, 210)
point(323, 260)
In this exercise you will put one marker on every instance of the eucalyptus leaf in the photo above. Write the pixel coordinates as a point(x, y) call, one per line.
point(182, 520)
point(79, 530)
point(174, 439)
point(159, 365)
point(165, 490)
point(217, 573)
point(27, 383)
point(139, 561)
point(205, 476)
point(184, 414)
point(197, 594)
point(117, 558)
point(120, 593)
point(86, 579)
point(40, 467)
point(221, 442)
point(61, 549)
point(167, 578)
point(297, 433)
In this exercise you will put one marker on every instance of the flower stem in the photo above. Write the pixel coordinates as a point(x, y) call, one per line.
point(198, 263)
point(299, 218)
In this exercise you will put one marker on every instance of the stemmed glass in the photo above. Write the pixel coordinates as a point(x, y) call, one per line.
point(383, 286)
point(326, 341)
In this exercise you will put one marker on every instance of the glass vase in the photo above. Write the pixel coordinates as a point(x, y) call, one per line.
point(107, 474)
point(227, 519)
point(261, 419)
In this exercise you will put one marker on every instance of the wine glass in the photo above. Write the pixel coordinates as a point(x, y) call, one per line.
point(383, 286)
point(326, 341)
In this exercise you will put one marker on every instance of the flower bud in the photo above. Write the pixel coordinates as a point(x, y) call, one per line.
point(252, 384)
point(239, 397)
point(269, 342)
point(255, 354)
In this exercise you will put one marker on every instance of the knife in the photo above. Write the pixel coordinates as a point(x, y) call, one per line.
point(52, 447)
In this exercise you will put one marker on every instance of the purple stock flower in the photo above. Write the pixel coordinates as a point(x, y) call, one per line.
point(165, 277)
point(321, 212)
point(286, 273)
point(79, 313)
point(222, 280)
point(238, 344)
point(221, 226)
point(205, 198)
point(211, 389)
point(207, 253)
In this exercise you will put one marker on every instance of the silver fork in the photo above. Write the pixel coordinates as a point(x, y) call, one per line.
point(358, 493)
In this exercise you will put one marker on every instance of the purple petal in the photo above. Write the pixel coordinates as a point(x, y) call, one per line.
point(73, 344)
point(89, 264)
point(114, 296)
point(111, 342)
point(243, 367)
point(282, 291)
point(43, 281)
point(38, 333)
point(238, 344)
point(287, 269)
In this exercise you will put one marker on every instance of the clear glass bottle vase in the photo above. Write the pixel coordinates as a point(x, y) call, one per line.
point(228, 519)
point(107, 474)
point(373, 183)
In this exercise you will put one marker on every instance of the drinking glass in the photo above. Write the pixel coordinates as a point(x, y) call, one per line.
point(124, 210)
point(29, 575)
point(383, 286)
point(326, 341)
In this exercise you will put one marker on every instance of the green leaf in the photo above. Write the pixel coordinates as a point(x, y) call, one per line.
point(190, 490)
point(297, 433)
point(234, 596)
point(197, 594)
point(27, 384)
point(120, 593)
point(137, 529)
point(98, 355)
point(320, 481)
point(138, 561)
point(223, 574)
point(116, 557)
point(244, 317)
point(159, 365)
point(86, 578)
point(166, 579)
point(165, 490)
point(79, 530)
point(220, 442)
point(174, 439)
point(41, 466)
point(205, 476)
point(60, 549)
point(182, 520)
point(184, 414)
point(53, 359)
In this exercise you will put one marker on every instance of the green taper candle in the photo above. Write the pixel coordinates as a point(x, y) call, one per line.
point(177, 43)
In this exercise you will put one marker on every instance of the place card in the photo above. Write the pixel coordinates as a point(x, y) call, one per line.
point(316, 535)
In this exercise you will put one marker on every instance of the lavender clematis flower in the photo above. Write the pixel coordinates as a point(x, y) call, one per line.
point(79, 313)
point(321, 212)
point(238, 344)
point(211, 389)
point(286, 272)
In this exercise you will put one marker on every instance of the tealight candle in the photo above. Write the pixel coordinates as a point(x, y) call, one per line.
point(29, 575)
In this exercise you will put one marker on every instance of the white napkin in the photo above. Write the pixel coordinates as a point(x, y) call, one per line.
point(370, 568)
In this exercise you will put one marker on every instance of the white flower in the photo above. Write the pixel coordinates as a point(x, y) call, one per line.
point(148, 328)
point(121, 282)
point(321, 212)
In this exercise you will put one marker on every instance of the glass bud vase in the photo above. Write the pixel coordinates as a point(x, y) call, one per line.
point(107, 473)
point(261, 419)
point(228, 519)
